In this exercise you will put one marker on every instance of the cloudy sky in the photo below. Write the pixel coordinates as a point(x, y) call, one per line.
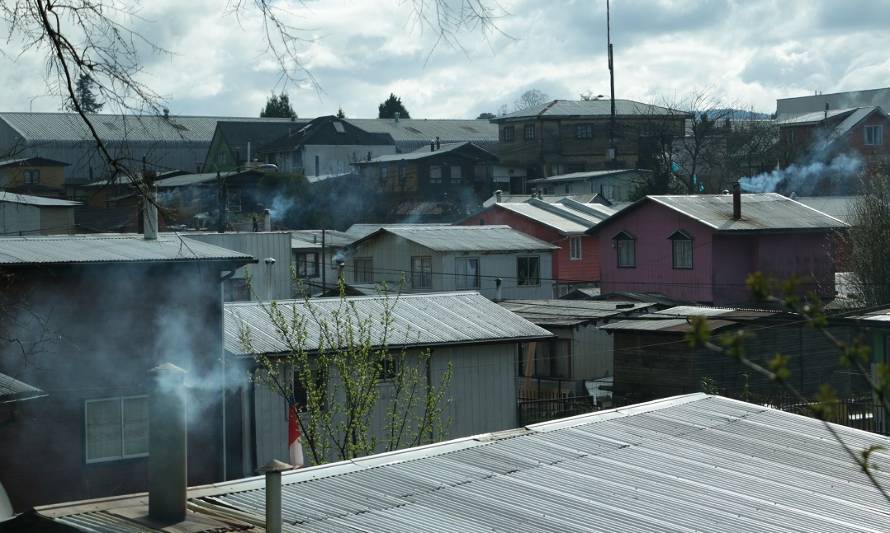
point(747, 52)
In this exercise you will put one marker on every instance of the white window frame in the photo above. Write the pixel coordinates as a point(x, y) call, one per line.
point(86, 440)
point(575, 248)
point(462, 273)
point(877, 134)
point(681, 236)
point(435, 173)
point(456, 174)
point(509, 134)
point(584, 131)
point(528, 132)
point(632, 243)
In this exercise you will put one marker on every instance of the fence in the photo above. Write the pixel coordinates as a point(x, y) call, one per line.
point(857, 412)
point(536, 410)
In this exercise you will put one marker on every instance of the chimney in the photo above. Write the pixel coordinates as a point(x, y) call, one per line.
point(267, 220)
point(432, 146)
point(497, 284)
point(248, 153)
point(273, 472)
point(736, 201)
point(150, 213)
point(395, 116)
point(167, 446)
point(826, 109)
point(498, 195)
point(438, 144)
point(166, 113)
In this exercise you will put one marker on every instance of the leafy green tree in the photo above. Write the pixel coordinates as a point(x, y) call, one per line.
point(83, 94)
point(278, 106)
point(391, 106)
point(866, 241)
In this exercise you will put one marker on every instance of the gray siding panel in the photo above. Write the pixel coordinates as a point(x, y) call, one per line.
point(268, 281)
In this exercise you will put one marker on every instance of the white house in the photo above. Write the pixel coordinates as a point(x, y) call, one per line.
point(497, 261)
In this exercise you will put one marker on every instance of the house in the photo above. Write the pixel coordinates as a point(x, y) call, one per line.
point(159, 142)
point(565, 136)
point(318, 257)
point(801, 105)
point(653, 357)
point(325, 147)
point(235, 143)
point(270, 278)
point(579, 354)
point(824, 135)
point(470, 335)
point(33, 175)
point(84, 319)
point(614, 185)
point(22, 214)
point(497, 261)
point(410, 134)
point(687, 463)
point(562, 223)
point(455, 173)
point(701, 248)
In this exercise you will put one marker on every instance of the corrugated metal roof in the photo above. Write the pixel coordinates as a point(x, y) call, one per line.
point(311, 238)
point(839, 207)
point(425, 152)
point(466, 238)
point(676, 319)
point(570, 312)
point(110, 248)
point(32, 162)
point(425, 130)
point(13, 390)
point(40, 201)
point(49, 127)
point(363, 230)
point(814, 117)
point(185, 180)
point(575, 176)
point(687, 463)
point(552, 219)
point(760, 212)
point(590, 108)
point(417, 320)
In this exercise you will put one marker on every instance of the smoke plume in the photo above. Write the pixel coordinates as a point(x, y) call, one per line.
point(805, 179)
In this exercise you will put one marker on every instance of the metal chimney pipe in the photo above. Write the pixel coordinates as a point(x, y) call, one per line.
point(167, 444)
point(736, 201)
point(267, 220)
point(150, 214)
point(497, 284)
point(273, 472)
point(497, 195)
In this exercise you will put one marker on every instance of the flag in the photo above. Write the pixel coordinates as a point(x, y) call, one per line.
point(294, 446)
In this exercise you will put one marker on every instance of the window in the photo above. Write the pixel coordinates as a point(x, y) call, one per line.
point(233, 202)
point(456, 175)
point(584, 131)
point(509, 134)
point(435, 174)
point(421, 272)
point(307, 265)
point(466, 271)
point(874, 135)
point(528, 271)
point(32, 176)
point(363, 270)
point(384, 170)
point(574, 248)
point(681, 244)
point(529, 132)
point(625, 246)
point(116, 428)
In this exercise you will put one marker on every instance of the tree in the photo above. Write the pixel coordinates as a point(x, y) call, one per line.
point(340, 113)
point(337, 376)
point(391, 106)
point(485, 116)
point(83, 93)
point(530, 98)
point(866, 240)
point(278, 106)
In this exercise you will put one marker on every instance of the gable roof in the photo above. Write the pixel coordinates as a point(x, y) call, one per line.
point(417, 320)
point(589, 175)
point(571, 312)
point(360, 230)
point(311, 238)
point(13, 390)
point(32, 162)
point(111, 248)
point(460, 148)
point(326, 130)
point(237, 133)
point(565, 215)
point(760, 212)
point(589, 108)
point(465, 238)
point(839, 207)
point(413, 132)
point(39, 201)
point(686, 463)
point(676, 319)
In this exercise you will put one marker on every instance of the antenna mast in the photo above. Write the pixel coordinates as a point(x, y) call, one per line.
point(612, 151)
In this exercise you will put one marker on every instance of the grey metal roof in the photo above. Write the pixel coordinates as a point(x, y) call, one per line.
point(110, 248)
point(760, 212)
point(417, 320)
point(814, 117)
point(466, 238)
point(571, 312)
point(588, 175)
point(547, 218)
point(425, 152)
point(590, 108)
point(185, 180)
point(839, 207)
point(33, 162)
point(414, 130)
point(49, 127)
point(582, 293)
point(311, 238)
point(565, 215)
point(676, 319)
point(687, 463)
point(40, 201)
point(364, 229)
point(13, 390)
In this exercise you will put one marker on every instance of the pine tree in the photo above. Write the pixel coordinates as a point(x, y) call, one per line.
point(340, 113)
point(391, 106)
point(278, 106)
point(83, 92)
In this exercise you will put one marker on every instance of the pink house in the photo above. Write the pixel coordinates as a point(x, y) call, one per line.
point(701, 248)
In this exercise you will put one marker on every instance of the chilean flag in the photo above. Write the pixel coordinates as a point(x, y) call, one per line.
point(293, 437)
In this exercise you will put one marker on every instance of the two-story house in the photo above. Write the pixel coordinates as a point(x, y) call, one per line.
point(33, 175)
point(701, 248)
point(613, 185)
point(497, 261)
point(565, 136)
point(319, 260)
point(563, 223)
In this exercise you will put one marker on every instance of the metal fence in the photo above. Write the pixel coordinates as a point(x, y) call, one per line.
point(536, 410)
point(857, 412)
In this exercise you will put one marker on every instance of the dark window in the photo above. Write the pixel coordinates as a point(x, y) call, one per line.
point(625, 247)
point(363, 270)
point(681, 245)
point(509, 134)
point(584, 131)
point(467, 272)
point(528, 271)
point(421, 272)
point(32, 176)
point(435, 174)
point(529, 132)
point(307, 265)
point(874, 135)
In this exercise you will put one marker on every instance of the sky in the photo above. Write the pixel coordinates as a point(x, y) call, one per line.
point(744, 53)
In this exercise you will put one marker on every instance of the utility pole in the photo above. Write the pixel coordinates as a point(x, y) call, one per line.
point(612, 150)
point(324, 264)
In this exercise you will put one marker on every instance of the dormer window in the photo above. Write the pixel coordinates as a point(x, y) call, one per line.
point(681, 246)
point(626, 249)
